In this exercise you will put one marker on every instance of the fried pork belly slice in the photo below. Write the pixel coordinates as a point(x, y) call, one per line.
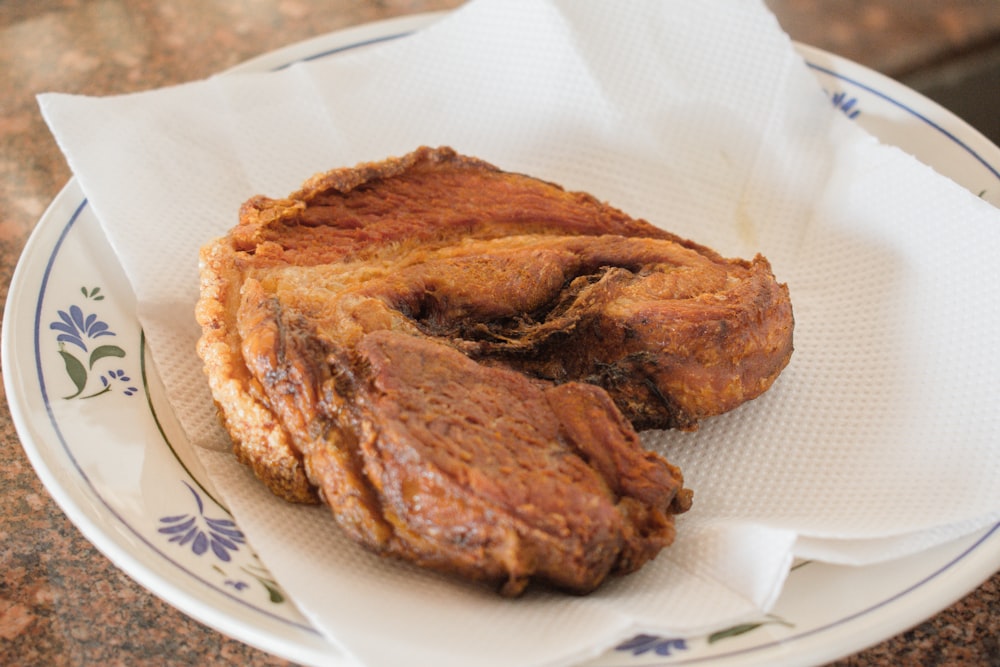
point(364, 215)
point(516, 276)
point(475, 470)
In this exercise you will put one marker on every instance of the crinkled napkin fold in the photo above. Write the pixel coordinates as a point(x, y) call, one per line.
point(878, 440)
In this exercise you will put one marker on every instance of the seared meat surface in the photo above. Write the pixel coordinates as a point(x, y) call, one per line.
point(455, 359)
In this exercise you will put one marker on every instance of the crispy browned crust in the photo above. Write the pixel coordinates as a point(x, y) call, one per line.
point(515, 274)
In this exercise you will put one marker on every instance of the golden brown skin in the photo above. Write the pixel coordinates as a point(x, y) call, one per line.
point(513, 297)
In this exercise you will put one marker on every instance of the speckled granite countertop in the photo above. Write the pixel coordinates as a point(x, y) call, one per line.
point(62, 602)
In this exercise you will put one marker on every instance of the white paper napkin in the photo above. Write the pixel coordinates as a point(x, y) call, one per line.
point(878, 440)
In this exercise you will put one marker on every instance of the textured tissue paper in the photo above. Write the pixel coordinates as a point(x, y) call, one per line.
point(878, 440)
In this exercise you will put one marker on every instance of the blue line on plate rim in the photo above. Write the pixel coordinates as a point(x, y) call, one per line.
point(885, 96)
point(347, 47)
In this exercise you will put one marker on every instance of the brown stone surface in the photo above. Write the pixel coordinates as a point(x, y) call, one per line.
point(61, 601)
point(895, 37)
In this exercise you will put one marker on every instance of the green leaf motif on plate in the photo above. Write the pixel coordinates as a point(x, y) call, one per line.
point(744, 628)
point(105, 351)
point(76, 372)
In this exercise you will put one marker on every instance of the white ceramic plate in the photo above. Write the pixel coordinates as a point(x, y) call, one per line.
point(93, 419)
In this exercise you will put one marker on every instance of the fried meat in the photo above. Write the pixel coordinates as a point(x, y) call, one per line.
point(455, 359)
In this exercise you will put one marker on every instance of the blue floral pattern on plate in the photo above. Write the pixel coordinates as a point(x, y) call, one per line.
point(203, 533)
point(80, 329)
point(95, 367)
point(846, 104)
point(220, 537)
